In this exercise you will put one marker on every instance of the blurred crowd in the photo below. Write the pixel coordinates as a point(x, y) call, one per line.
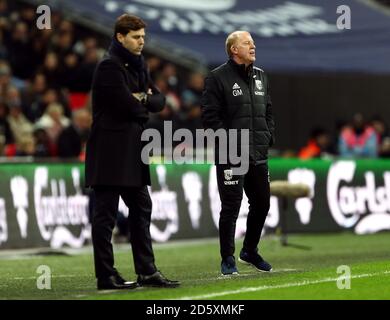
point(357, 138)
point(45, 81)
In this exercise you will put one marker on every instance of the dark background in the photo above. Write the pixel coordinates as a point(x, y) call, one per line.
point(303, 101)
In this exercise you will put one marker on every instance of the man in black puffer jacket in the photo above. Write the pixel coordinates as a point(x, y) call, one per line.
point(236, 96)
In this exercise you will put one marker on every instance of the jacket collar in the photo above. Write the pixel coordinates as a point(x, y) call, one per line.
point(240, 69)
point(117, 49)
point(131, 61)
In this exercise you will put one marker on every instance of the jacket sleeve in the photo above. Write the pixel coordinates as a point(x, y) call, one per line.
point(110, 81)
point(156, 101)
point(269, 116)
point(211, 104)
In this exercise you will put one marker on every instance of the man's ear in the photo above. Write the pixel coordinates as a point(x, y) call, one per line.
point(119, 37)
point(233, 49)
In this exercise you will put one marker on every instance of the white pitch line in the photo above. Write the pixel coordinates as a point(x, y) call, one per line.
point(53, 276)
point(279, 286)
point(240, 275)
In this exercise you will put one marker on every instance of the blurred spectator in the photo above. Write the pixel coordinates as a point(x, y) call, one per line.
point(51, 70)
point(383, 136)
point(63, 41)
point(40, 43)
point(87, 44)
point(43, 146)
point(170, 111)
point(340, 125)
point(5, 78)
point(56, 19)
point(77, 77)
point(380, 128)
point(71, 72)
point(169, 74)
point(172, 99)
point(6, 136)
point(319, 145)
point(39, 106)
point(87, 68)
point(28, 16)
point(26, 147)
point(190, 111)
point(4, 9)
point(19, 47)
point(20, 125)
point(3, 48)
point(66, 26)
point(289, 153)
point(71, 141)
point(154, 65)
point(53, 121)
point(31, 95)
point(358, 139)
point(385, 148)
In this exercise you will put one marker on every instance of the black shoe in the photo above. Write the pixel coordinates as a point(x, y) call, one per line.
point(156, 279)
point(115, 282)
point(255, 260)
point(228, 266)
point(119, 278)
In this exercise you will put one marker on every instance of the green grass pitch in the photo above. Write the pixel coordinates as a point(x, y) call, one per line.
point(306, 269)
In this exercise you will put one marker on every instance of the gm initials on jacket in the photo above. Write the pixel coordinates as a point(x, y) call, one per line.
point(259, 89)
point(237, 90)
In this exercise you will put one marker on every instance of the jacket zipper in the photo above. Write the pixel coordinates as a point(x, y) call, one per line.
point(252, 111)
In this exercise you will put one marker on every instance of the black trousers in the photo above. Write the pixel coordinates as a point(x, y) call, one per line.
point(103, 221)
point(256, 185)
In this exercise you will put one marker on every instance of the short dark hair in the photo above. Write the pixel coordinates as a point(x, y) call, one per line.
point(127, 22)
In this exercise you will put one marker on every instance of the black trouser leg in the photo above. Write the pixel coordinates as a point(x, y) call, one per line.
point(231, 196)
point(256, 186)
point(140, 211)
point(103, 222)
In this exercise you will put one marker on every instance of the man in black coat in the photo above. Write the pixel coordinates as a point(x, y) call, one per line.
point(122, 96)
point(236, 96)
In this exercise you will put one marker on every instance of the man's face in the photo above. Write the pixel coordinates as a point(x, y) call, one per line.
point(244, 48)
point(133, 41)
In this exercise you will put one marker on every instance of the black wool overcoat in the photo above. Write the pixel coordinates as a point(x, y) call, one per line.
point(113, 153)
